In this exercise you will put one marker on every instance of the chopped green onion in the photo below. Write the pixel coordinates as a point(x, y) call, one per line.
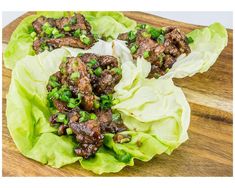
point(106, 101)
point(55, 31)
point(92, 116)
point(189, 40)
point(80, 54)
point(60, 35)
point(46, 25)
point(73, 103)
point(48, 30)
point(75, 75)
point(96, 104)
point(69, 131)
point(98, 71)
point(117, 70)
point(73, 21)
point(146, 54)
point(160, 58)
point(91, 63)
point(65, 94)
point(77, 33)
point(84, 116)
point(131, 35)
point(157, 75)
point(67, 28)
point(33, 34)
point(134, 48)
point(167, 70)
point(116, 116)
point(31, 29)
point(86, 40)
point(61, 117)
point(146, 35)
point(140, 26)
point(161, 39)
point(154, 32)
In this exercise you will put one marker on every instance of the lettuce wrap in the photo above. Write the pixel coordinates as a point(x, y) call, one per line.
point(28, 113)
point(20, 44)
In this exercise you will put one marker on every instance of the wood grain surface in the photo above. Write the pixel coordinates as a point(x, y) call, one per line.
point(208, 152)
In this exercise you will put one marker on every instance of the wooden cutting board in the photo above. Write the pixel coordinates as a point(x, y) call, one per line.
point(208, 152)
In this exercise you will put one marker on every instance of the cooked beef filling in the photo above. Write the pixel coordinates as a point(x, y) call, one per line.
point(80, 96)
point(49, 33)
point(159, 46)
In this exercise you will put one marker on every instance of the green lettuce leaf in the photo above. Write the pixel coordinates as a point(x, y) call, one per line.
point(207, 46)
point(153, 106)
point(20, 44)
point(109, 24)
point(27, 115)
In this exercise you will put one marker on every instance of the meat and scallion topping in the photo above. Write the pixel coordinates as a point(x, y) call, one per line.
point(159, 46)
point(50, 33)
point(80, 96)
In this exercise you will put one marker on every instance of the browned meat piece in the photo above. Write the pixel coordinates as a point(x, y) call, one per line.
point(89, 136)
point(108, 61)
point(87, 150)
point(60, 105)
point(169, 61)
point(107, 124)
point(80, 85)
point(106, 82)
point(175, 41)
point(73, 115)
point(87, 57)
point(62, 130)
point(37, 46)
point(161, 54)
point(123, 36)
point(67, 41)
point(77, 21)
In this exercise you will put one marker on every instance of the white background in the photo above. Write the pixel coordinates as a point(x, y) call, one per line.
point(198, 18)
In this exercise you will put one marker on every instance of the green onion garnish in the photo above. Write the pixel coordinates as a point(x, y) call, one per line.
point(61, 117)
point(86, 40)
point(67, 28)
point(98, 71)
point(33, 34)
point(92, 116)
point(134, 48)
point(189, 40)
point(69, 131)
point(161, 39)
point(91, 63)
point(74, 76)
point(77, 33)
point(84, 116)
point(96, 104)
point(146, 54)
point(117, 70)
point(73, 21)
point(131, 35)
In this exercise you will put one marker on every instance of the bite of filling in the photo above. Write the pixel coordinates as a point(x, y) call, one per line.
point(50, 33)
point(80, 97)
point(159, 46)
